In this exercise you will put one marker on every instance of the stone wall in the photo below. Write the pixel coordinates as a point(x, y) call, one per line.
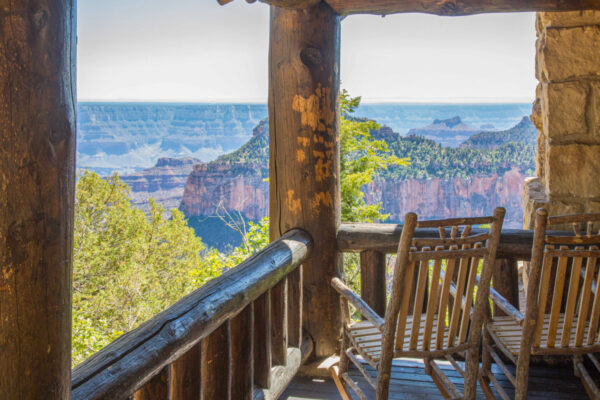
point(567, 115)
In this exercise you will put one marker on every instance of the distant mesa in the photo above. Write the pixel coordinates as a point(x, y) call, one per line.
point(176, 162)
point(448, 132)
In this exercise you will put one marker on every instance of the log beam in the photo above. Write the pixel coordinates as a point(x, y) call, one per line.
point(37, 178)
point(304, 153)
point(457, 7)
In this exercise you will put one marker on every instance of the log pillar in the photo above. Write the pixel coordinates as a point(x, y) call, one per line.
point(304, 153)
point(37, 177)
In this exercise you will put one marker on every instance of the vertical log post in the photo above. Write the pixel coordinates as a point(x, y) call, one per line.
point(372, 280)
point(215, 364)
point(295, 308)
point(505, 280)
point(37, 178)
point(241, 373)
point(279, 340)
point(185, 375)
point(304, 153)
point(262, 341)
point(156, 388)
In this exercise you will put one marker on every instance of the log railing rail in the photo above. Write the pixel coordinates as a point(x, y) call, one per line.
point(223, 341)
point(374, 241)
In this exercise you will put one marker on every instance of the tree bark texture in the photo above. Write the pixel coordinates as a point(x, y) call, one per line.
point(37, 177)
point(304, 153)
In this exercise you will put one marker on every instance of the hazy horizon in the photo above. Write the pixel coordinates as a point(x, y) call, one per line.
point(190, 51)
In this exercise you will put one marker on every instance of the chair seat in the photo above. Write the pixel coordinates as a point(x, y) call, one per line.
point(509, 333)
point(366, 339)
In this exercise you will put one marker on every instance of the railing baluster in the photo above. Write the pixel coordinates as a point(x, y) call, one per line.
point(262, 340)
point(156, 388)
point(373, 280)
point(294, 316)
point(185, 375)
point(215, 364)
point(241, 358)
point(505, 280)
point(279, 341)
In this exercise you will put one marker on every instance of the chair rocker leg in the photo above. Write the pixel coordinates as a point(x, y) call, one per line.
point(581, 372)
point(339, 382)
point(444, 385)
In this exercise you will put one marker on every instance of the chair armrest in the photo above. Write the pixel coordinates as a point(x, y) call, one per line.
point(505, 306)
point(357, 302)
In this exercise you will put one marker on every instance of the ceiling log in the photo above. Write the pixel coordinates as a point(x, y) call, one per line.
point(457, 7)
point(281, 3)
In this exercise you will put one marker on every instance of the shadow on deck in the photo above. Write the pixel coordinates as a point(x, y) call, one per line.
point(409, 381)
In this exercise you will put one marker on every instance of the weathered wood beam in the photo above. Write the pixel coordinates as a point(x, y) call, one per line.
point(280, 3)
point(37, 177)
point(514, 243)
point(126, 364)
point(215, 364)
point(457, 7)
point(304, 153)
point(241, 371)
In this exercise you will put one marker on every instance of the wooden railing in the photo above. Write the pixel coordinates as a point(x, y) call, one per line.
point(237, 337)
point(374, 241)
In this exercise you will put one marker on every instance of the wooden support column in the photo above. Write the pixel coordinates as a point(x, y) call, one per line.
point(505, 280)
point(304, 153)
point(37, 177)
point(372, 280)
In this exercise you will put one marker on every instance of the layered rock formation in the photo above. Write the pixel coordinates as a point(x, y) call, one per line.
point(164, 182)
point(443, 198)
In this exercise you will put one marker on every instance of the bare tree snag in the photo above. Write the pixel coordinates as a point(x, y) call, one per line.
point(304, 153)
point(37, 177)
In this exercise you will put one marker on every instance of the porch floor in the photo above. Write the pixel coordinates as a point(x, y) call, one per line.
point(409, 381)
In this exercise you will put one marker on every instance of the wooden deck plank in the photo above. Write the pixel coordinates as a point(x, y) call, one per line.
point(409, 381)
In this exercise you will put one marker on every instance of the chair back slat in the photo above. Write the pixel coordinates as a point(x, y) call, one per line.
point(543, 298)
point(594, 322)
point(419, 300)
point(461, 281)
point(586, 295)
point(572, 296)
point(431, 310)
point(468, 297)
point(557, 297)
point(571, 261)
point(404, 305)
point(443, 310)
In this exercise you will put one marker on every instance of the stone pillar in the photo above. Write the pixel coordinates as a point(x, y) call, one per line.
point(567, 115)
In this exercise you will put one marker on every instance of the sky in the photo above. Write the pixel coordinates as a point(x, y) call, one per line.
point(199, 51)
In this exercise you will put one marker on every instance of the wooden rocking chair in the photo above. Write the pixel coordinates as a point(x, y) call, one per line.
point(562, 311)
point(432, 317)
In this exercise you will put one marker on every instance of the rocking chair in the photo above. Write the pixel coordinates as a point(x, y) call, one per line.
point(562, 311)
point(430, 313)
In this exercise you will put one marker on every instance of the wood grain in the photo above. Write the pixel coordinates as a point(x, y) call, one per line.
point(37, 178)
point(215, 364)
point(241, 370)
point(456, 7)
point(373, 286)
point(156, 388)
point(185, 375)
point(514, 243)
point(304, 153)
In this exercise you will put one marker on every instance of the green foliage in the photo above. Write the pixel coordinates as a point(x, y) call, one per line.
point(431, 160)
point(362, 158)
point(127, 266)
